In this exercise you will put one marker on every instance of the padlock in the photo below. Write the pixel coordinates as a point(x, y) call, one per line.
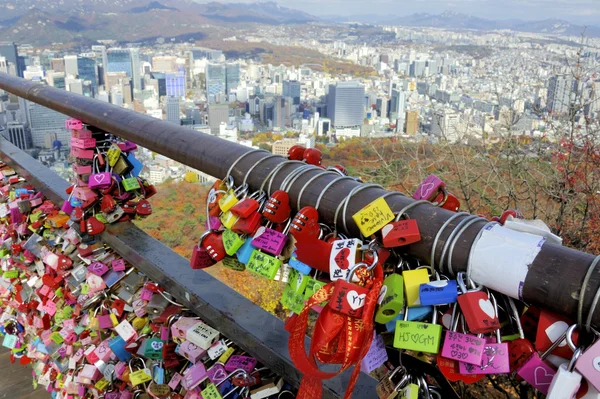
point(232, 242)
point(237, 362)
point(191, 351)
point(263, 264)
point(298, 265)
point(247, 226)
point(348, 298)
point(157, 305)
point(131, 184)
point(229, 199)
point(248, 205)
point(143, 208)
point(519, 349)
point(418, 336)
point(588, 365)
point(566, 381)
point(438, 292)
point(306, 223)
point(99, 180)
point(313, 156)
point(479, 311)
point(391, 299)
point(133, 282)
point(202, 335)
point(342, 258)
point(412, 283)
point(429, 188)
point(154, 348)
point(270, 240)
point(313, 252)
point(460, 346)
point(550, 327)
point(296, 152)
point(267, 390)
point(194, 376)
point(400, 232)
point(447, 200)
point(140, 376)
point(387, 388)
point(277, 208)
point(213, 242)
point(201, 259)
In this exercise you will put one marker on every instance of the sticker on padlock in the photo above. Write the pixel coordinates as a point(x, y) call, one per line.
point(418, 336)
point(342, 258)
point(373, 217)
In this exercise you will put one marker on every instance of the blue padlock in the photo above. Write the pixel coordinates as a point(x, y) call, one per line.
point(137, 165)
point(438, 292)
point(417, 313)
point(117, 345)
point(245, 251)
point(301, 267)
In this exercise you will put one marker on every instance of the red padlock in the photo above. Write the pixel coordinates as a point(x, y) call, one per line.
point(313, 156)
point(550, 328)
point(245, 207)
point(201, 259)
point(93, 226)
point(249, 225)
point(479, 309)
point(277, 208)
point(143, 208)
point(510, 212)
point(400, 232)
point(451, 370)
point(64, 262)
point(313, 252)
point(342, 169)
point(306, 222)
point(447, 200)
point(213, 206)
point(296, 152)
point(348, 298)
point(108, 204)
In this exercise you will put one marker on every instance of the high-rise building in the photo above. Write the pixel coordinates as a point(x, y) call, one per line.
point(56, 79)
point(215, 81)
point(101, 61)
point(397, 104)
point(43, 120)
point(445, 124)
point(175, 83)
point(281, 147)
point(162, 83)
point(232, 78)
point(382, 107)
point(292, 88)
point(18, 134)
point(136, 72)
point(71, 67)
point(165, 64)
point(9, 51)
point(412, 123)
point(417, 68)
point(217, 114)
point(119, 60)
point(561, 89)
point(3, 65)
point(86, 65)
point(345, 104)
point(172, 110)
point(279, 112)
point(57, 64)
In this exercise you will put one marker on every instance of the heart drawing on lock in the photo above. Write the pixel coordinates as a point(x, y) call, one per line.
point(99, 178)
point(219, 376)
point(354, 300)
point(556, 330)
point(426, 189)
point(157, 345)
point(487, 307)
point(341, 259)
point(542, 377)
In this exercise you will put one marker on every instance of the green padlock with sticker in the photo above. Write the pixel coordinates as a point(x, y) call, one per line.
point(391, 299)
point(232, 241)
point(131, 184)
point(417, 336)
point(263, 264)
point(154, 348)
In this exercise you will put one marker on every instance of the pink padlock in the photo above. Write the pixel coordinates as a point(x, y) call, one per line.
point(429, 188)
point(90, 374)
point(537, 373)
point(245, 363)
point(465, 348)
point(83, 143)
point(495, 360)
point(217, 373)
point(82, 134)
point(269, 240)
point(191, 351)
point(105, 321)
point(194, 376)
point(82, 154)
point(103, 352)
point(213, 223)
point(73, 124)
point(588, 365)
point(82, 169)
point(180, 328)
point(98, 268)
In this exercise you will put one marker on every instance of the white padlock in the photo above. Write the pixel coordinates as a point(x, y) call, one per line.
point(566, 381)
point(202, 335)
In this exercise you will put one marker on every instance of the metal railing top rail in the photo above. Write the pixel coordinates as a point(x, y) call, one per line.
point(255, 330)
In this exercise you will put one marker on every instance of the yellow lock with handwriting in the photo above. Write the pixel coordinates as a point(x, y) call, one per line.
point(228, 219)
point(228, 201)
point(140, 376)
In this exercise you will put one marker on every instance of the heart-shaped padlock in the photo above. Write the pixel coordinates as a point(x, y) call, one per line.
point(64, 262)
point(296, 152)
point(108, 204)
point(306, 222)
point(77, 214)
point(277, 209)
point(93, 226)
point(143, 208)
point(214, 245)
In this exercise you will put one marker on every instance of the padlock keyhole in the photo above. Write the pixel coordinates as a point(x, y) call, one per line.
point(401, 239)
point(389, 312)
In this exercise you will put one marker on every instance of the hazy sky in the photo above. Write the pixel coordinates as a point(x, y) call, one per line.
point(575, 11)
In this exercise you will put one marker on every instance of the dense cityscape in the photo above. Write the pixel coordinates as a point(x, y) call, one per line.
point(373, 81)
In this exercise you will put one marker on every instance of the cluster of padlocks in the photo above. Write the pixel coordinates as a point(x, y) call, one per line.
point(92, 326)
point(377, 309)
point(107, 187)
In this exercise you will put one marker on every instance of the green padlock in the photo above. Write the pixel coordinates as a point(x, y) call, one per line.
point(154, 348)
point(131, 184)
point(211, 392)
point(291, 299)
point(232, 241)
point(297, 281)
point(392, 300)
point(411, 391)
point(417, 336)
point(233, 264)
point(263, 264)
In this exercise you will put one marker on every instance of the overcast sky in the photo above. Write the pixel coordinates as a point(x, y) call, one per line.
point(575, 11)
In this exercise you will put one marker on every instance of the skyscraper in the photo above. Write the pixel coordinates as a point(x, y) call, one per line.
point(43, 120)
point(57, 64)
point(172, 108)
point(18, 134)
point(3, 65)
point(232, 79)
point(397, 104)
point(560, 90)
point(175, 83)
point(279, 112)
point(8, 50)
point(217, 113)
point(215, 81)
point(86, 65)
point(292, 88)
point(71, 65)
point(135, 69)
point(119, 60)
point(345, 104)
point(101, 60)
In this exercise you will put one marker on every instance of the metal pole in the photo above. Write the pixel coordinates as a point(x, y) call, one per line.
point(554, 277)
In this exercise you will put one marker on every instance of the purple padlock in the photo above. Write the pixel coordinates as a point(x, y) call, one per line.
point(191, 351)
point(429, 188)
point(217, 373)
point(213, 223)
point(495, 360)
point(97, 268)
point(269, 240)
point(245, 363)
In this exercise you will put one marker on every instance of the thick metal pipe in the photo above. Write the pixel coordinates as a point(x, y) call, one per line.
point(553, 280)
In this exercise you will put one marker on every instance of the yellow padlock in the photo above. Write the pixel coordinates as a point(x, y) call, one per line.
point(228, 219)
point(139, 322)
point(114, 320)
point(228, 201)
point(225, 356)
point(412, 283)
point(140, 376)
point(102, 384)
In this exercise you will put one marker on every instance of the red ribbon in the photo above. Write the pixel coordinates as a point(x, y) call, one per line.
point(337, 339)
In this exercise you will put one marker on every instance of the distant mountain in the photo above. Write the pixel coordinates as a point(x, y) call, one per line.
point(155, 5)
point(260, 12)
point(556, 26)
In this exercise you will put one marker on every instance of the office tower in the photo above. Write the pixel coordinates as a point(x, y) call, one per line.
point(43, 120)
point(417, 68)
point(382, 107)
point(136, 72)
point(215, 81)
point(57, 64)
point(561, 89)
point(279, 113)
point(8, 50)
point(119, 60)
point(412, 122)
point(172, 108)
point(165, 64)
point(101, 61)
point(175, 83)
point(18, 134)
point(56, 79)
point(232, 78)
point(433, 67)
point(397, 104)
point(345, 104)
point(74, 85)
point(217, 113)
point(86, 65)
point(71, 67)
point(445, 124)
point(292, 88)
point(3, 65)
point(162, 83)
